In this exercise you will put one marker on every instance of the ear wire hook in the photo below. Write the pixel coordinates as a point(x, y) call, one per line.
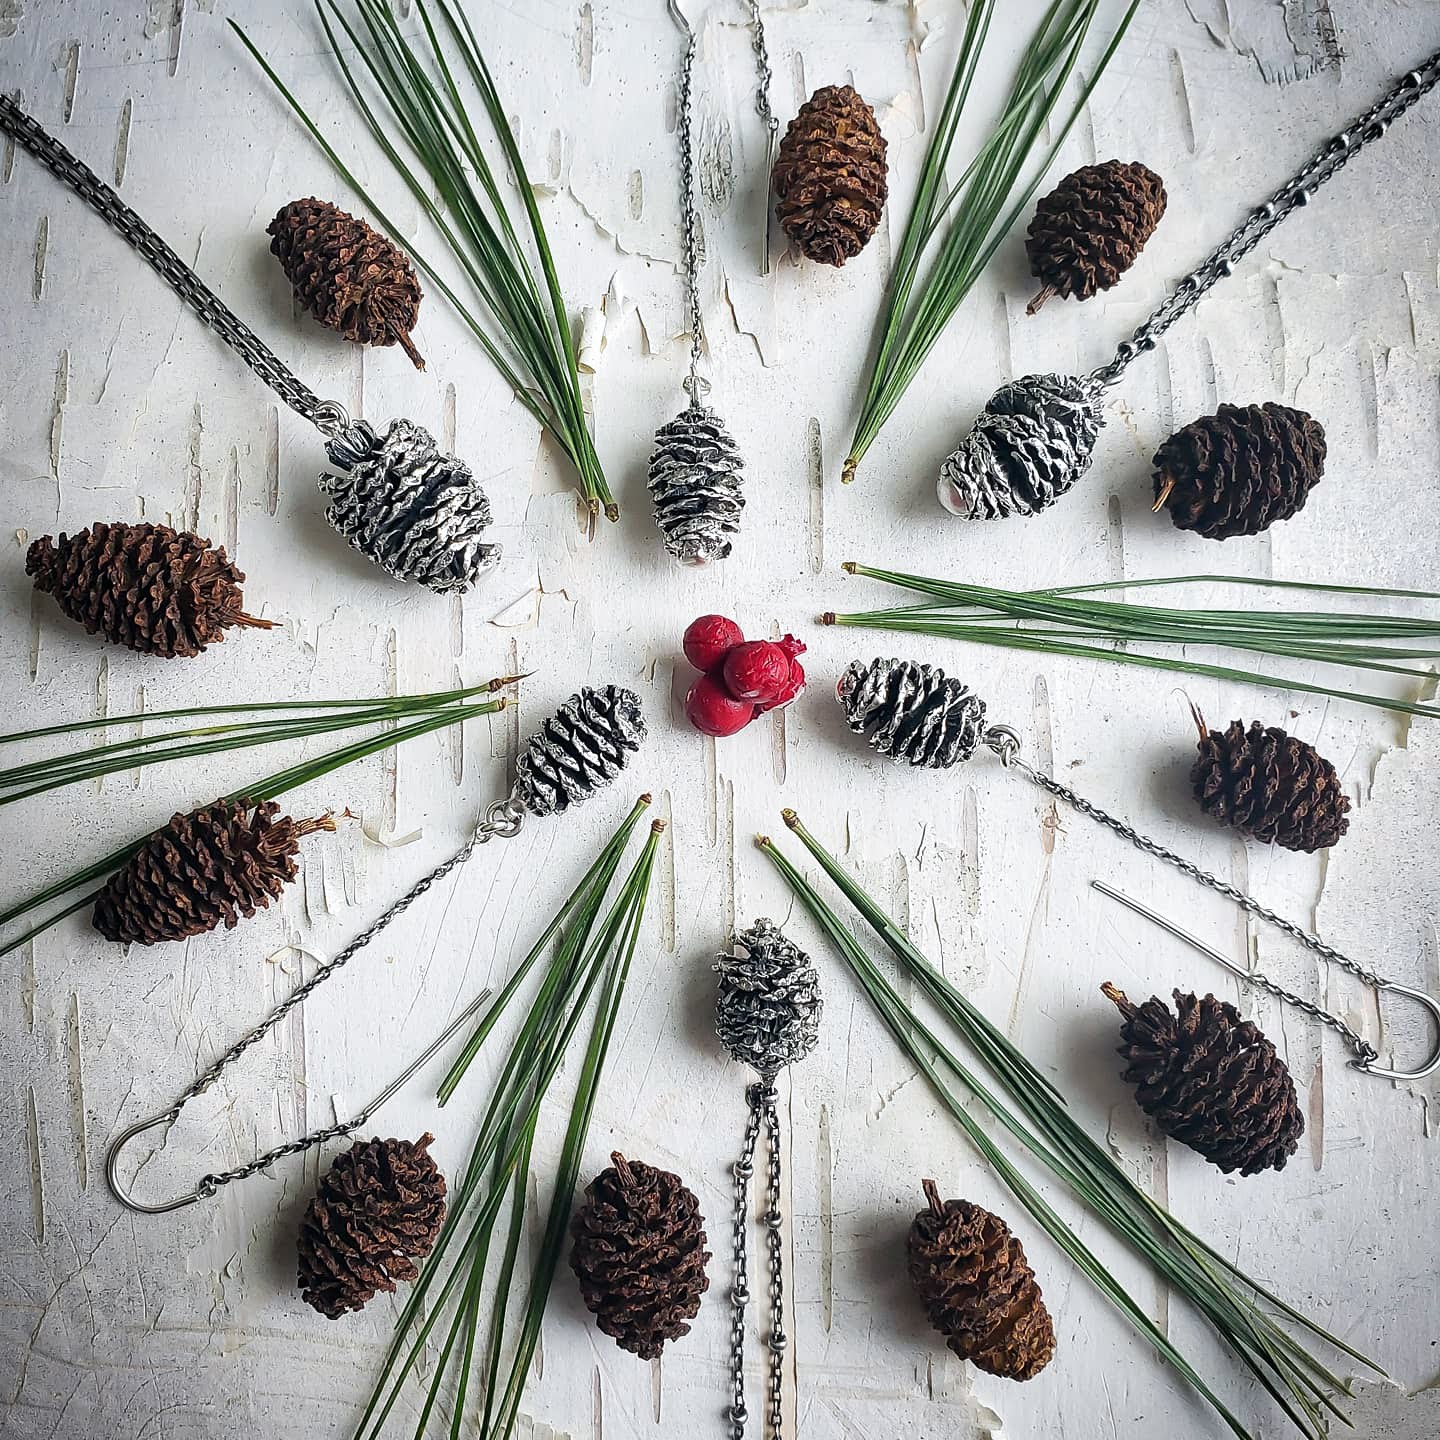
point(678, 16)
point(209, 1184)
point(1366, 1054)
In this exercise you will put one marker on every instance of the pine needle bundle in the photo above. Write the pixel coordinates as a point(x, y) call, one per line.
point(415, 93)
point(1264, 1333)
point(941, 258)
point(479, 1346)
point(413, 721)
point(1069, 620)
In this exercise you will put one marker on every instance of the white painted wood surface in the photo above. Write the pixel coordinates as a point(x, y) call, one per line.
point(115, 403)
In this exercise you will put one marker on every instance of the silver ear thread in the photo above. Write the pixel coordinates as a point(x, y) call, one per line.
point(579, 749)
point(1035, 438)
point(696, 473)
point(400, 501)
point(914, 714)
point(767, 1015)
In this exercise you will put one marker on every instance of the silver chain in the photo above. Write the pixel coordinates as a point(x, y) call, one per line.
point(696, 386)
point(328, 416)
point(766, 114)
point(761, 1099)
point(1332, 157)
point(1006, 744)
point(503, 819)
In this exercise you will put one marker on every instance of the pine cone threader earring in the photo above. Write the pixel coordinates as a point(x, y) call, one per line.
point(916, 715)
point(767, 1015)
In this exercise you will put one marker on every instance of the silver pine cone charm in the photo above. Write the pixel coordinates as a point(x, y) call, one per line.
point(696, 476)
point(418, 513)
point(912, 713)
point(767, 1013)
point(1028, 446)
point(585, 744)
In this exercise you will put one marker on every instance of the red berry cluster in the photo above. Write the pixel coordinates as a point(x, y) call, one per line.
point(741, 678)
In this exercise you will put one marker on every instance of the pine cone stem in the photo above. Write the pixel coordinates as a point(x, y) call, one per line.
point(932, 1194)
point(1046, 292)
point(1167, 484)
point(319, 822)
point(1118, 998)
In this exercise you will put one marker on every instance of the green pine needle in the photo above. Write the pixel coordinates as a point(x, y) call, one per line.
point(968, 221)
point(591, 962)
point(414, 95)
point(1068, 621)
point(1258, 1327)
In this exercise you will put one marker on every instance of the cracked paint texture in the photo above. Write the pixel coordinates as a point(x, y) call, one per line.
point(116, 404)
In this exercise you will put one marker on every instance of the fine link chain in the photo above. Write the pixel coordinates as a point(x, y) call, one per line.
point(776, 1341)
point(1003, 741)
point(740, 1282)
point(1295, 192)
point(696, 385)
point(767, 117)
point(502, 820)
point(328, 416)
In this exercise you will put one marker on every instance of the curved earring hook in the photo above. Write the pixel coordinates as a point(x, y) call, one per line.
point(1366, 1057)
point(209, 1184)
point(678, 16)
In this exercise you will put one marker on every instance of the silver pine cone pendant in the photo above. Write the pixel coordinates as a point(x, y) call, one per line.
point(696, 476)
point(1028, 446)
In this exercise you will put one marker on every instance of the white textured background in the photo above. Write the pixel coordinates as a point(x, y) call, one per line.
point(116, 404)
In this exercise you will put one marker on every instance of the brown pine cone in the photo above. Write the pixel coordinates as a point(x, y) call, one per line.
point(977, 1289)
point(348, 276)
point(159, 591)
point(830, 176)
point(1088, 231)
point(640, 1255)
point(378, 1210)
point(1269, 785)
point(1210, 1080)
point(1240, 470)
point(203, 869)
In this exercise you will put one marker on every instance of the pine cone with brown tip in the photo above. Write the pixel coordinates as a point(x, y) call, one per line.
point(640, 1255)
point(830, 176)
point(156, 590)
point(1240, 470)
point(977, 1288)
point(378, 1210)
point(348, 276)
point(201, 870)
point(1269, 785)
point(1088, 231)
point(1210, 1080)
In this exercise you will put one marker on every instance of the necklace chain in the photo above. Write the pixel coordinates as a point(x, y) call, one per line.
point(328, 416)
point(1004, 743)
point(695, 385)
point(761, 1098)
point(1328, 161)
